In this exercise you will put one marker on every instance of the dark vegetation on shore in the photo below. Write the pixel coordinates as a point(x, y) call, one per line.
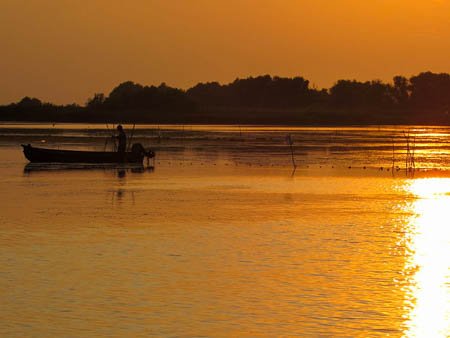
point(421, 99)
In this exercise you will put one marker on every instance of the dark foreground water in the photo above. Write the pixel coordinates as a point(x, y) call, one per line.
point(222, 238)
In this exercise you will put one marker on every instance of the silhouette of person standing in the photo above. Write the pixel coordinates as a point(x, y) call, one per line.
point(122, 138)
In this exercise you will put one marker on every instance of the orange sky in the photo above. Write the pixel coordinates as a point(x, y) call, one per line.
point(63, 51)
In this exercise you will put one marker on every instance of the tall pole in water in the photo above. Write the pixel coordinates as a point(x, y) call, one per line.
point(291, 143)
point(393, 155)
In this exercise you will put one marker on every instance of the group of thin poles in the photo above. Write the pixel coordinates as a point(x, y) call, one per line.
point(112, 137)
point(410, 163)
point(410, 160)
point(131, 138)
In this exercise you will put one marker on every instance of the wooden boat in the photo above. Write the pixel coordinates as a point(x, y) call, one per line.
point(44, 155)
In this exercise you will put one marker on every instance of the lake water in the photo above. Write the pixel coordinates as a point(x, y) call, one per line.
point(223, 238)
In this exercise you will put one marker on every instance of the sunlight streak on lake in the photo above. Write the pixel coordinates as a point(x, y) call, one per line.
point(428, 242)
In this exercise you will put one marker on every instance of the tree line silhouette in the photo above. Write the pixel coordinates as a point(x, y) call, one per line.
point(423, 98)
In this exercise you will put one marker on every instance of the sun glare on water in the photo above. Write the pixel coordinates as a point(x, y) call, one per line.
point(427, 305)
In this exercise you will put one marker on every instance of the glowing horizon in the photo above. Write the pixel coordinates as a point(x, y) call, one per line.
point(64, 51)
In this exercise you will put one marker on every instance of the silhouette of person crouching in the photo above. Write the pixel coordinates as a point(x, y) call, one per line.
point(122, 139)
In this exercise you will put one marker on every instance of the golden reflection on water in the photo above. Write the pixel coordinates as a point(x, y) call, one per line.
point(428, 243)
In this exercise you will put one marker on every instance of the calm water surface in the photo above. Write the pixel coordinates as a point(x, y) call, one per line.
point(222, 239)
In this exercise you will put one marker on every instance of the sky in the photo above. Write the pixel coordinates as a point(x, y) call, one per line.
point(64, 51)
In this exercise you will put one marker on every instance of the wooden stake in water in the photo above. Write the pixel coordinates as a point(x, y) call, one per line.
point(291, 143)
point(410, 163)
point(393, 154)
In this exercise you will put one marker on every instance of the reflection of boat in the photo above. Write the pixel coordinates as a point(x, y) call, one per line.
point(120, 167)
point(43, 155)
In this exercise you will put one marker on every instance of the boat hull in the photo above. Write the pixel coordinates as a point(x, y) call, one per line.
point(43, 155)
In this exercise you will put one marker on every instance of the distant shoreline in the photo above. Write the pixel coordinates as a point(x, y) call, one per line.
point(264, 100)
